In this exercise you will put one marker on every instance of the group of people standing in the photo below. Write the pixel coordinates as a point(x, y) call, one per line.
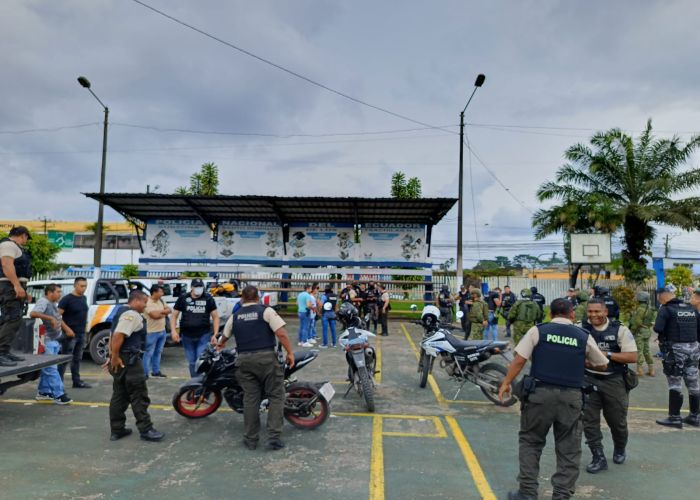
point(371, 300)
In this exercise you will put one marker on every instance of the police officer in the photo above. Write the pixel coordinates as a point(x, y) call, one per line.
point(538, 298)
point(462, 299)
point(524, 315)
point(571, 296)
point(508, 300)
point(444, 302)
point(478, 315)
point(371, 304)
point(256, 329)
point(580, 313)
point(551, 397)
point(125, 364)
point(603, 292)
point(609, 394)
point(641, 322)
point(15, 272)
point(678, 326)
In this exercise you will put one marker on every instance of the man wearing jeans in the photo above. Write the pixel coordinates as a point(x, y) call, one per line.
point(156, 313)
point(50, 383)
point(73, 307)
point(304, 313)
point(198, 311)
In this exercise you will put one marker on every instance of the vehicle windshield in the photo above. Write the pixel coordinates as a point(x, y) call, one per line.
point(37, 291)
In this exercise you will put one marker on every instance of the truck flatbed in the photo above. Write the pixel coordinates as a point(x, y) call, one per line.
point(29, 369)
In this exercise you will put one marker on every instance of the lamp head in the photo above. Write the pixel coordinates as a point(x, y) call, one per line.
point(84, 82)
point(480, 79)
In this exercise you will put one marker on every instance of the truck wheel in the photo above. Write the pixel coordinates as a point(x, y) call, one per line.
point(99, 346)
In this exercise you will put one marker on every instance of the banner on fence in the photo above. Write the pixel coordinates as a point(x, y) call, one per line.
point(326, 242)
point(250, 241)
point(393, 242)
point(179, 239)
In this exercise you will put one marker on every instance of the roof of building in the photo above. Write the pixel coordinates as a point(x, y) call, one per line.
point(282, 209)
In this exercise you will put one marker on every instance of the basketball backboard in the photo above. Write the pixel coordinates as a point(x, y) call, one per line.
point(590, 249)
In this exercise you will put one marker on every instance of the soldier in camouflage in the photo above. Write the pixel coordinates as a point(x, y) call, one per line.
point(478, 316)
point(582, 306)
point(641, 321)
point(523, 315)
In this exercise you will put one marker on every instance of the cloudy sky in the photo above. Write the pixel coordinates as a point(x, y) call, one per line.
point(555, 73)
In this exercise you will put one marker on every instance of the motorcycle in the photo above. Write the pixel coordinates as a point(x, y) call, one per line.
point(463, 360)
point(359, 355)
point(306, 405)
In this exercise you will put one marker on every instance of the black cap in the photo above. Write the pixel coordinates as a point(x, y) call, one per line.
point(19, 231)
point(197, 282)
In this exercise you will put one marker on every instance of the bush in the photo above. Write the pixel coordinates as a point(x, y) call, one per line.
point(195, 274)
point(626, 299)
point(130, 271)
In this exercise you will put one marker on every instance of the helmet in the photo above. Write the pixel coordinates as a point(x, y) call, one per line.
point(583, 296)
point(533, 289)
point(228, 287)
point(430, 317)
point(526, 292)
point(642, 296)
point(444, 288)
point(601, 291)
point(476, 292)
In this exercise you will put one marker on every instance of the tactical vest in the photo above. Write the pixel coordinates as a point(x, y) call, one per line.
point(332, 298)
point(559, 357)
point(136, 342)
point(682, 324)
point(613, 308)
point(251, 331)
point(607, 341)
point(23, 263)
point(444, 299)
point(539, 299)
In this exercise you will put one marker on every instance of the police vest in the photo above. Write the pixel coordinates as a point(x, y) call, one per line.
point(332, 298)
point(607, 341)
point(539, 299)
point(136, 342)
point(682, 324)
point(559, 357)
point(613, 308)
point(23, 263)
point(372, 296)
point(251, 331)
point(443, 299)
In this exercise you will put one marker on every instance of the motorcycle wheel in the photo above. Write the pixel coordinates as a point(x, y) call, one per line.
point(186, 403)
point(305, 418)
point(497, 373)
point(425, 366)
point(367, 388)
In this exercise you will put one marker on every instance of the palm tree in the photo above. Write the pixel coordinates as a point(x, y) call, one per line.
point(615, 183)
point(202, 183)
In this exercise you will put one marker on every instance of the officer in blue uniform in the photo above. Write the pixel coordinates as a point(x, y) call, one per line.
point(15, 271)
point(256, 329)
point(127, 346)
point(551, 397)
point(678, 327)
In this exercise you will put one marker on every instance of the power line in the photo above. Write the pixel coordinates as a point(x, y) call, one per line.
point(53, 129)
point(287, 70)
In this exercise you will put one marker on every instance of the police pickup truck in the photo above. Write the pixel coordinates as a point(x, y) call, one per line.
point(104, 297)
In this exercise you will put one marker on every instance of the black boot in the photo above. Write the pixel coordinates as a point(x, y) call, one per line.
point(694, 417)
point(675, 402)
point(598, 463)
point(619, 456)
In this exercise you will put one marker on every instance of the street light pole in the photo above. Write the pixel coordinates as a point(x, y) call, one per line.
point(97, 257)
point(460, 266)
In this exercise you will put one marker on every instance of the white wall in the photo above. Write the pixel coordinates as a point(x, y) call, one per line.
point(84, 256)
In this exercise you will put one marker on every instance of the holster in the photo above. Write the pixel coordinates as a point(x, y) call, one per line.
point(526, 386)
point(131, 358)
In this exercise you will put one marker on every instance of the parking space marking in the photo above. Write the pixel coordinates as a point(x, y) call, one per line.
point(378, 364)
point(376, 477)
point(431, 380)
point(477, 472)
point(440, 431)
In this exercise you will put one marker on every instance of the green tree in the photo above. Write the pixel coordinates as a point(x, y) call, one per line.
point(405, 189)
point(93, 228)
point(486, 265)
point(618, 183)
point(680, 276)
point(43, 253)
point(202, 183)
point(130, 271)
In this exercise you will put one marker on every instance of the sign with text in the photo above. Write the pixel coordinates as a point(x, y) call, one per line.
point(62, 239)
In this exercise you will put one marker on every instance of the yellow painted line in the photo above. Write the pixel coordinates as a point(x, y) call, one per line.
point(378, 366)
point(431, 380)
point(660, 410)
point(470, 458)
point(440, 431)
point(384, 415)
point(376, 477)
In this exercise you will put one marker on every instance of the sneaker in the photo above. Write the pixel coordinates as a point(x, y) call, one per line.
point(152, 435)
point(14, 357)
point(311, 341)
point(307, 344)
point(324, 346)
point(159, 375)
point(81, 385)
point(300, 344)
point(5, 361)
point(63, 400)
point(41, 396)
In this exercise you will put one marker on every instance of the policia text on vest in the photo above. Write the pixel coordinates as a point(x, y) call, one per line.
point(554, 399)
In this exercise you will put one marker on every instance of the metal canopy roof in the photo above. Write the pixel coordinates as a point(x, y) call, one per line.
point(283, 210)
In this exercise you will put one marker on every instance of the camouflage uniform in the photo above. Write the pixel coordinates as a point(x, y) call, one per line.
point(478, 313)
point(641, 321)
point(521, 327)
point(582, 306)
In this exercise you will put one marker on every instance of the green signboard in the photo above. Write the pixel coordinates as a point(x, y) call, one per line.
point(62, 239)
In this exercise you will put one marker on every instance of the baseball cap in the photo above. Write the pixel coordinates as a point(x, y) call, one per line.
point(20, 230)
point(669, 289)
point(197, 282)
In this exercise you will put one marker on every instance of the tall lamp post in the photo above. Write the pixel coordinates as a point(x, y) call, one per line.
point(97, 259)
point(460, 271)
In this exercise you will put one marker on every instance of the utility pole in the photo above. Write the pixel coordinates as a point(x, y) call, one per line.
point(666, 248)
point(45, 220)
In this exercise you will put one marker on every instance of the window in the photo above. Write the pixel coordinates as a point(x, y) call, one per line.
point(104, 294)
point(37, 291)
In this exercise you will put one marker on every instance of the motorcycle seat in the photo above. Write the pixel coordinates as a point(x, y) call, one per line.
point(467, 345)
point(303, 356)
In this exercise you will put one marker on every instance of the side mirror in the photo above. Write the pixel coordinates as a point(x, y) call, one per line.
point(460, 314)
point(413, 307)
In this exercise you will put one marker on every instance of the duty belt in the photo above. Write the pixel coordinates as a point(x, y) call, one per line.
point(267, 349)
point(603, 376)
point(547, 385)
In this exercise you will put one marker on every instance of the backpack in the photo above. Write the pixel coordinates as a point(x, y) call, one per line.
point(528, 312)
